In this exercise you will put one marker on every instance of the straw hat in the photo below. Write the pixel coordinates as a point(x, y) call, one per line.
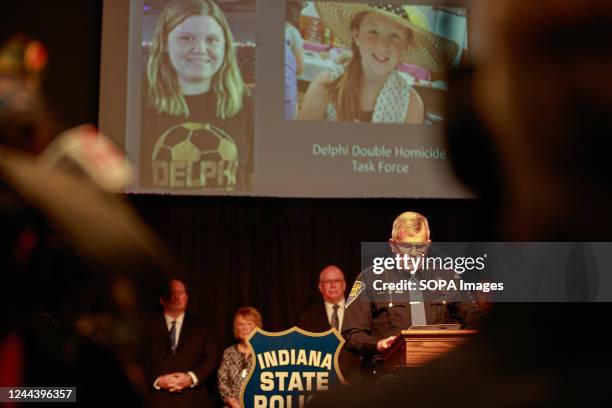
point(428, 50)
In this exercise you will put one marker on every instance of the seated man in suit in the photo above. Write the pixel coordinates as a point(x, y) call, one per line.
point(329, 313)
point(182, 355)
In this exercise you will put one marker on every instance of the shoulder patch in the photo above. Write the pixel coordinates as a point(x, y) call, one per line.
point(356, 290)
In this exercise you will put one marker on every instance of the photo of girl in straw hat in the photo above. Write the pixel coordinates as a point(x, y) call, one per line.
point(368, 86)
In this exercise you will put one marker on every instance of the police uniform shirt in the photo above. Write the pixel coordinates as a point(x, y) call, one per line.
point(372, 315)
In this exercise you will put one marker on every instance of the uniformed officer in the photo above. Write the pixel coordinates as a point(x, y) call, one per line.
point(375, 316)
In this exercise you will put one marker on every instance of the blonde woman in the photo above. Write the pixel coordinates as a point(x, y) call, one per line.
point(368, 88)
point(192, 77)
point(237, 359)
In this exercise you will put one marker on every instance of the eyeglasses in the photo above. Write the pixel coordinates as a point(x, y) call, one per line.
point(419, 248)
point(330, 281)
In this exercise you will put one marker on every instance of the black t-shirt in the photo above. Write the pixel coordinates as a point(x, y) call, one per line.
point(200, 152)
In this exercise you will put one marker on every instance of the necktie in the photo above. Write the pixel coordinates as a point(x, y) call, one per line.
point(173, 337)
point(417, 307)
point(335, 322)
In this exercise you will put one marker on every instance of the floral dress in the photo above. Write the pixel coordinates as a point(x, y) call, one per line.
point(234, 369)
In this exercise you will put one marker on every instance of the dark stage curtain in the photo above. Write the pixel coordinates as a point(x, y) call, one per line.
point(238, 251)
point(267, 252)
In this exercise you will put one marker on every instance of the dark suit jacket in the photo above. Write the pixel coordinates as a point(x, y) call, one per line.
point(194, 352)
point(314, 319)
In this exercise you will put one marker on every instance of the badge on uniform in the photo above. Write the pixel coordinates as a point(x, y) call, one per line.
point(357, 288)
point(289, 367)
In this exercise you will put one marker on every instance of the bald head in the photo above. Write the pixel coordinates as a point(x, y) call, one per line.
point(332, 284)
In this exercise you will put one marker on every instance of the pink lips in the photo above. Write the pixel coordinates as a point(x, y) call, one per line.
point(199, 60)
point(380, 60)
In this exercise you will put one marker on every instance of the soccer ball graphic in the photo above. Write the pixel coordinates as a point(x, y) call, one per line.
point(194, 142)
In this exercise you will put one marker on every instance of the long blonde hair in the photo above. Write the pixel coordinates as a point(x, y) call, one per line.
point(164, 91)
point(345, 91)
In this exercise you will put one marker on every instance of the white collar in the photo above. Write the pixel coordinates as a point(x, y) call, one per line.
point(179, 319)
point(331, 305)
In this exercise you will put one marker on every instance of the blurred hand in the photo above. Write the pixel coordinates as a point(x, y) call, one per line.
point(385, 343)
point(164, 381)
point(179, 381)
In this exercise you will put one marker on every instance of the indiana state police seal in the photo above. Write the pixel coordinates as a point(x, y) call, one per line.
point(289, 367)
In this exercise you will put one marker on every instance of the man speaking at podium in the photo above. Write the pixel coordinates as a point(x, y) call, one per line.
point(373, 318)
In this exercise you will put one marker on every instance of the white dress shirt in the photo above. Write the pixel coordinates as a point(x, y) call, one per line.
point(329, 308)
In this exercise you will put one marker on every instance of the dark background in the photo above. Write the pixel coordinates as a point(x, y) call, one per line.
point(267, 252)
point(238, 251)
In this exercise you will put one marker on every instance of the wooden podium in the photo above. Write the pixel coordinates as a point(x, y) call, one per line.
point(413, 348)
